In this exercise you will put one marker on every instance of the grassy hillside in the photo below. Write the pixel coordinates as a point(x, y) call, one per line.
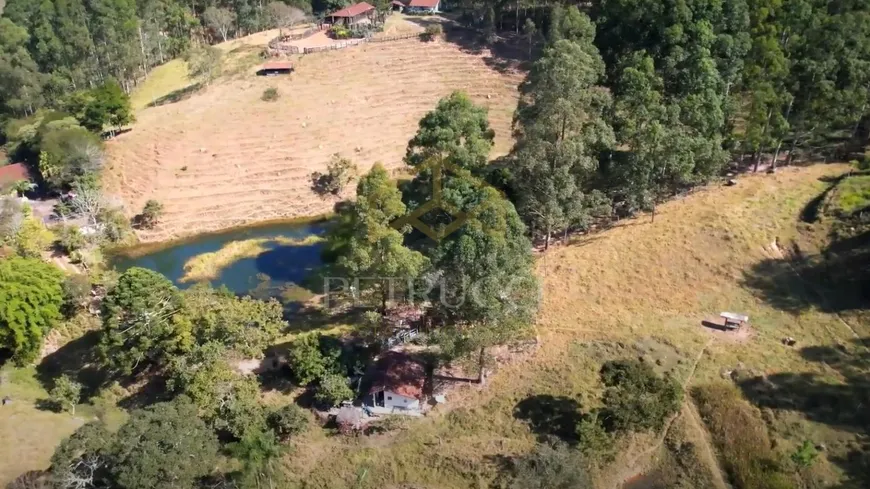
point(640, 289)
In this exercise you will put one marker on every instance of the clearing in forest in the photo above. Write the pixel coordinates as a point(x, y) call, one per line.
point(223, 157)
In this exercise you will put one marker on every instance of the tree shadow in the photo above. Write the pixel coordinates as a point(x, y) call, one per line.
point(79, 360)
point(843, 405)
point(550, 416)
point(177, 95)
point(290, 263)
point(837, 280)
point(508, 53)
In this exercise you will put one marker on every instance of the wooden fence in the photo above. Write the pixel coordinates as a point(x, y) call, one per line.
point(276, 48)
point(356, 42)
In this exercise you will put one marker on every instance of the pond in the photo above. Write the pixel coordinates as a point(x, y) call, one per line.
point(266, 260)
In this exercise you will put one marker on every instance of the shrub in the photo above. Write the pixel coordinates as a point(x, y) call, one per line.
point(288, 421)
point(339, 32)
point(70, 238)
point(333, 389)
point(339, 173)
point(76, 293)
point(636, 399)
point(66, 394)
point(433, 32)
point(547, 467)
point(307, 361)
point(270, 94)
point(33, 238)
point(150, 214)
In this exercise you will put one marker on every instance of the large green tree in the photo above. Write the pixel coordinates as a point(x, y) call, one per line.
point(372, 250)
point(31, 296)
point(242, 324)
point(225, 398)
point(20, 81)
point(143, 324)
point(161, 447)
point(561, 128)
point(457, 130)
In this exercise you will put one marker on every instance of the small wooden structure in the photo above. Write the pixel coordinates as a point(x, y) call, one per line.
point(273, 68)
point(733, 321)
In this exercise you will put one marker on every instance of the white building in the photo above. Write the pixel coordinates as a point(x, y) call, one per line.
point(398, 386)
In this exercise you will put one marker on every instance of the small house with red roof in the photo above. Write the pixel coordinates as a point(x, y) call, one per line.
point(397, 387)
point(358, 13)
point(9, 174)
point(424, 6)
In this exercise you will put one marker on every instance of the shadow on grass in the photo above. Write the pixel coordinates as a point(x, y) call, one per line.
point(835, 281)
point(550, 416)
point(842, 405)
point(78, 360)
point(177, 95)
point(508, 53)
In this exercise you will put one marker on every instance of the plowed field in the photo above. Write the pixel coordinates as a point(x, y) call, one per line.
point(224, 157)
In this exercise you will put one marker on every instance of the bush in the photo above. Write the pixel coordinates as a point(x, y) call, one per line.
point(307, 362)
point(70, 238)
point(288, 421)
point(150, 215)
point(339, 173)
point(339, 32)
point(66, 394)
point(31, 297)
point(76, 293)
point(636, 399)
point(433, 32)
point(270, 94)
point(333, 389)
point(547, 467)
point(33, 238)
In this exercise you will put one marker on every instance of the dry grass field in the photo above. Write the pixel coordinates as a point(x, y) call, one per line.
point(223, 157)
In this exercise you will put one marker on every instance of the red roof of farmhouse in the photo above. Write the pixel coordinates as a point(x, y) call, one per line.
point(353, 10)
point(13, 173)
point(401, 374)
point(424, 3)
point(278, 65)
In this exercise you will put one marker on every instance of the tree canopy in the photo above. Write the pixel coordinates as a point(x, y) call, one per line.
point(31, 297)
point(141, 322)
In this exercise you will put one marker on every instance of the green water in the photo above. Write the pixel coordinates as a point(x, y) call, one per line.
point(268, 274)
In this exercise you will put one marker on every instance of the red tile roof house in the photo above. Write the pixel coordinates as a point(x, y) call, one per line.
point(9, 174)
point(424, 6)
point(358, 13)
point(398, 386)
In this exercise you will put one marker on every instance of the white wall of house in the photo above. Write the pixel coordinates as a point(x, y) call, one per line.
point(393, 400)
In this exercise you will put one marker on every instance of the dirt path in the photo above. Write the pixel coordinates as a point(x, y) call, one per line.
point(636, 466)
point(706, 451)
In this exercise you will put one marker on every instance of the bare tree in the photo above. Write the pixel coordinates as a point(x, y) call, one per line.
point(219, 19)
point(87, 202)
point(282, 15)
point(11, 217)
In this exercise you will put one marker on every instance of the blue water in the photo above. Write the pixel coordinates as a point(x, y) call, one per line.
point(267, 274)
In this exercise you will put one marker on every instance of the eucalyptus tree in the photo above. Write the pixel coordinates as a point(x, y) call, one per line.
point(561, 126)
